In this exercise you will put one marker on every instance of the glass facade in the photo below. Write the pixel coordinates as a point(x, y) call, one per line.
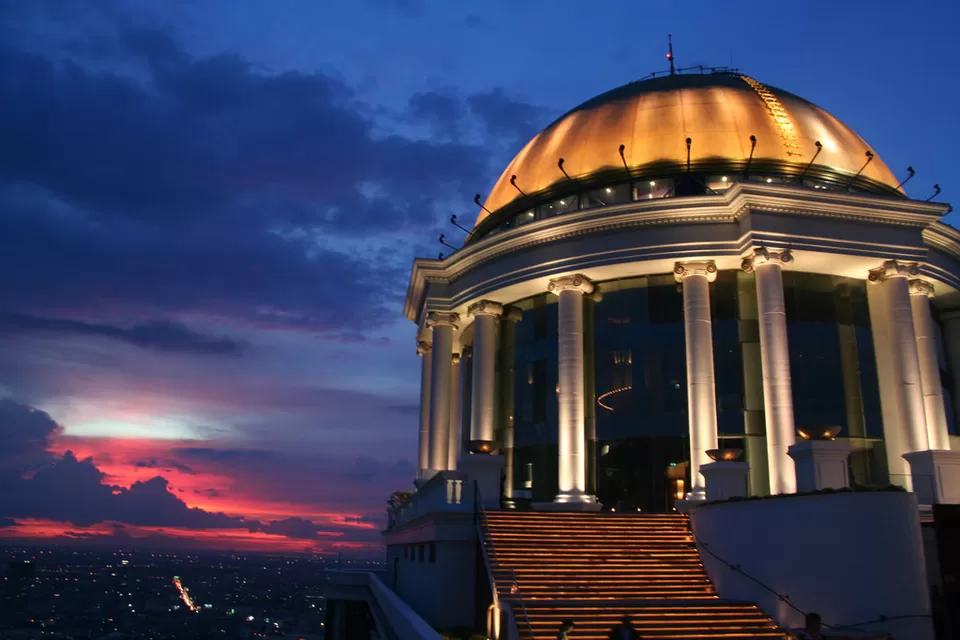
point(635, 387)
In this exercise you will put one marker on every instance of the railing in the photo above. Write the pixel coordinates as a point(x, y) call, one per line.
point(443, 492)
point(489, 551)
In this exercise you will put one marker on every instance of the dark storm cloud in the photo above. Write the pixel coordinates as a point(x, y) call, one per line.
point(25, 434)
point(160, 336)
point(74, 491)
point(212, 185)
point(293, 527)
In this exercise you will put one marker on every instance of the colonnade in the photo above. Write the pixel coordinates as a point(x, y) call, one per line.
point(912, 401)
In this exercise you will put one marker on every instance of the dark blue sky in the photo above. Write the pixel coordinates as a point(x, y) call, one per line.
point(208, 211)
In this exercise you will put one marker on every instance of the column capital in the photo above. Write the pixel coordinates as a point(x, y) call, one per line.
point(485, 308)
point(575, 282)
point(435, 318)
point(682, 270)
point(921, 288)
point(893, 269)
point(423, 347)
point(761, 255)
point(455, 358)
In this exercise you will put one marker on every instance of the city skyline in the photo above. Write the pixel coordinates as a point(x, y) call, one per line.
point(209, 213)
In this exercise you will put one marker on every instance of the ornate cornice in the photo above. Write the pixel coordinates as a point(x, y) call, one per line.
point(921, 288)
point(683, 270)
point(762, 256)
point(485, 308)
point(893, 269)
point(575, 282)
point(729, 208)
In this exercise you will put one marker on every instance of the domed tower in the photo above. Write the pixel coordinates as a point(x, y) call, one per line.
point(689, 264)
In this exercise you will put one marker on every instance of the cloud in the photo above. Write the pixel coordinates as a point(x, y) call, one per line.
point(158, 335)
point(153, 463)
point(293, 527)
point(208, 185)
point(25, 434)
point(75, 491)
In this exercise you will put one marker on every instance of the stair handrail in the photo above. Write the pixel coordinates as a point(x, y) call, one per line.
point(486, 542)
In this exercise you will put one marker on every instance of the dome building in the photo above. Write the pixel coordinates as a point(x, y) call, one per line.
point(681, 265)
point(689, 289)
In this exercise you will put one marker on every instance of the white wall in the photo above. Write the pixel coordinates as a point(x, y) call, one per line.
point(442, 593)
point(851, 557)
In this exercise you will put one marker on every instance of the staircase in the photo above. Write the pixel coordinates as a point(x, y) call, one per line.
point(596, 568)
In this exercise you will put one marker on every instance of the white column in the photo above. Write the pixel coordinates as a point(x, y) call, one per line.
point(453, 441)
point(905, 361)
point(443, 325)
point(426, 367)
point(775, 362)
point(951, 340)
point(572, 458)
point(701, 386)
point(485, 314)
point(933, 408)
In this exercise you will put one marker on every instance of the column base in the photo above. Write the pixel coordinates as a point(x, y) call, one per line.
point(725, 479)
point(698, 494)
point(821, 464)
point(935, 476)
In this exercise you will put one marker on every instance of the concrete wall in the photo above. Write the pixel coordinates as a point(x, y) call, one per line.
point(444, 593)
point(852, 557)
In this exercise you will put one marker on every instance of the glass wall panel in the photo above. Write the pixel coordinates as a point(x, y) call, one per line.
point(638, 389)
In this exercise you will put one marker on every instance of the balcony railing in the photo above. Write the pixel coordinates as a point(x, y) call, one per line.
point(447, 491)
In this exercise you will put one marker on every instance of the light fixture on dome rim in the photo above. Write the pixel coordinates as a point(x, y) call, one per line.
point(476, 199)
point(828, 432)
point(447, 244)
point(869, 155)
point(819, 146)
point(513, 181)
point(453, 220)
point(560, 165)
point(753, 147)
point(936, 192)
point(910, 175)
point(724, 455)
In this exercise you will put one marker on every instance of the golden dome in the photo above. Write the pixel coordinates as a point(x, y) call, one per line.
point(653, 118)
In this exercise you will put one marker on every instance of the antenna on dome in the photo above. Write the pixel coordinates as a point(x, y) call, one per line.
point(869, 155)
point(513, 181)
point(453, 219)
point(476, 200)
point(936, 192)
point(810, 164)
point(445, 243)
point(560, 164)
point(907, 179)
point(753, 146)
point(670, 52)
point(689, 142)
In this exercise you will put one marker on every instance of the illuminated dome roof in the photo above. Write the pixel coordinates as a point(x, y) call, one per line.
point(653, 119)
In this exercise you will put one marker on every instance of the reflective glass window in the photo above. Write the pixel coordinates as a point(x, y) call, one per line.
point(604, 196)
point(559, 206)
point(650, 189)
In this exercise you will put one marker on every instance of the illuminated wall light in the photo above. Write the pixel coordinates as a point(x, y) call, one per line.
point(769, 179)
point(609, 190)
point(723, 179)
